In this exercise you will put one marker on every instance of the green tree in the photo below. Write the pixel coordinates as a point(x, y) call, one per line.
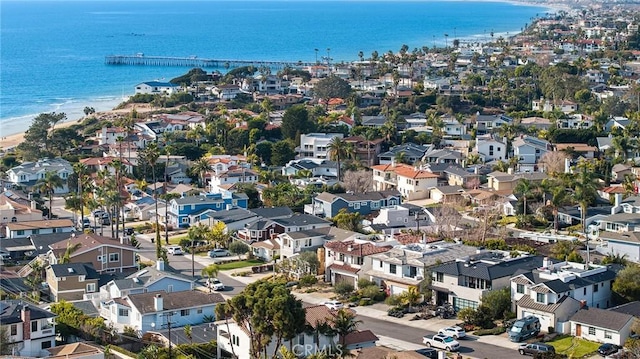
point(48, 185)
point(36, 144)
point(627, 283)
point(498, 302)
point(6, 345)
point(199, 233)
point(188, 332)
point(201, 167)
point(410, 297)
point(151, 154)
point(331, 87)
point(524, 187)
point(210, 271)
point(585, 185)
point(337, 151)
point(345, 323)
point(295, 122)
point(615, 258)
point(562, 249)
point(238, 248)
point(575, 257)
point(263, 151)
point(282, 152)
point(348, 221)
point(269, 312)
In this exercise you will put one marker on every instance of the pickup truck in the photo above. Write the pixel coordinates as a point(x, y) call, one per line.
point(442, 342)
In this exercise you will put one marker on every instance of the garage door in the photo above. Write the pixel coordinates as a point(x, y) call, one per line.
point(395, 290)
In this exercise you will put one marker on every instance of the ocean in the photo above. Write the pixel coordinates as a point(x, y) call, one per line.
point(52, 52)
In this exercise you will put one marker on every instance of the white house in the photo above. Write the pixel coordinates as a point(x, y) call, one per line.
point(625, 244)
point(30, 329)
point(226, 92)
point(316, 145)
point(14, 211)
point(528, 150)
point(604, 326)
point(411, 182)
point(43, 226)
point(344, 258)
point(156, 88)
point(490, 148)
point(454, 128)
point(147, 311)
point(221, 181)
point(28, 173)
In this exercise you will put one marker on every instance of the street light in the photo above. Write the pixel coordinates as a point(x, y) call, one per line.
point(316, 50)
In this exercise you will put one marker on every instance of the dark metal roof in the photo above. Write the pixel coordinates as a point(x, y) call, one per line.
point(272, 212)
point(10, 311)
point(601, 318)
point(489, 271)
point(75, 269)
point(144, 302)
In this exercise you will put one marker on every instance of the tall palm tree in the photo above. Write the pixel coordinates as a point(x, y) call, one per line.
point(151, 155)
point(119, 169)
point(585, 191)
point(524, 187)
point(210, 271)
point(201, 166)
point(559, 198)
point(82, 172)
point(345, 323)
point(47, 185)
point(369, 135)
point(337, 150)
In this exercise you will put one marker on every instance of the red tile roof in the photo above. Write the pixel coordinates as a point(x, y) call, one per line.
point(344, 267)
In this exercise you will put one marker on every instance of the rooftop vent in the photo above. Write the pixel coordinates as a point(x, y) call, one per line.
point(70, 270)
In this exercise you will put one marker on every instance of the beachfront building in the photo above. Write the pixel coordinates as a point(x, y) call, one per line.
point(156, 88)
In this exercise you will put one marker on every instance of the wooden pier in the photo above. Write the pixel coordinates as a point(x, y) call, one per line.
point(194, 61)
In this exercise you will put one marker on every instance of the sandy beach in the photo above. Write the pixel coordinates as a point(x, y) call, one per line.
point(10, 141)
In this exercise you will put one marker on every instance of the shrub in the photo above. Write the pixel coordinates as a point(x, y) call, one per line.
point(363, 283)
point(494, 331)
point(364, 302)
point(467, 315)
point(394, 300)
point(354, 298)
point(344, 289)
point(371, 291)
point(307, 280)
point(238, 248)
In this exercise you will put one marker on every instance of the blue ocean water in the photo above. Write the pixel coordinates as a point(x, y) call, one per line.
point(52, 52)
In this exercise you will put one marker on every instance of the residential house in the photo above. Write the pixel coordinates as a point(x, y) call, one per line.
point(328, 204)
point(178, 173)
point(528, 150)
point(604, 326)
point(625, 215)
point(226, 92)
point(70, 281)
point(318, 168)
point(464, 281)
point(271, 84)
point(619, 171)
point(97, 164)
point(192, 209)
point(403, 267)
point(488, 123)
point(374, 121)
point(458, 176)
point(233, 338)
point(43, 226)
point(156, 88)
point(444, 155)
point(446, 194)
point(572, 215)
point(625, 244)
point(266, 249)
point(344, 259)
point(411, 182)
point(365, 151)
point(500, 181)
point(31, 330)
point(539, 123)
point(411, 153)
point(77, 350)
point(616, 122)
point(575, 121)
point(453, 128)
point(542, 292)
point(233, 219)
point(545, 105)
point(147, 311)
point(149, 279)
point(230, 177)
point(264, 228)
point(105, 254)
point(28, 173)
point(316, 145)
point(491, 148)
point(578, 149)
point(15, 210)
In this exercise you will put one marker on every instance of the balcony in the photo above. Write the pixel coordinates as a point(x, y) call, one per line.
point(314, 210)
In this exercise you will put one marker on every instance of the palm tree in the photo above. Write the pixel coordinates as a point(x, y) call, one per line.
point(345, 323)
point(188, 332)
point(210, 271)
point(585, 191)
point(151, 154)
point(81, 173)
point(337, 150)
point(196, 134)
point(201, 167)
point(369, 135)
point(47, 185)
point(524, 187)
point(410, 297)
point(119, 169)
point(559, 198)
point(501, 166)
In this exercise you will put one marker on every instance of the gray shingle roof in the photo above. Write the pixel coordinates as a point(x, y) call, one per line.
point(300, 220)
point(355, 197)
point(144, 302)
point(527, 302)
point(489, 271)
point(272, 212)
point(601, 318)
point(10, 311)
point(75, 269)
point(632, 308)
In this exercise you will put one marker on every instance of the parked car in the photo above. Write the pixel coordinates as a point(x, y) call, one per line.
point(5, 255)
point(218, 252)
point(84, 223)
point(535, 348)
point(442, 342)
point(128, 231)
point(105, 219)
point(98, 213)
point(608, 349)
point(215, 284)
point(524, 328)
point(454, 332)
point(428, 352)
point(175, 250)
point(334, 304)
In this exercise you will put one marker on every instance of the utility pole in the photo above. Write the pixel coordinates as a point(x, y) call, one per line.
point(193, 250)
point(417, 217)
point(169, 315)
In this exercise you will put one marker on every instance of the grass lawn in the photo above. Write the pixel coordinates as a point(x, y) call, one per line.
point(240, 264)
point(174, 240)
point(574, 347)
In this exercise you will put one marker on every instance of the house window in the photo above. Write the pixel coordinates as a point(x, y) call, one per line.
point(91, 287)
point(184, 312)
point(607, 335)
point(14, 329)
point(114, 257)
point(439, 277)
point(584, 291)
point(20, 232)
point(123, 312)
point(34, 326)
point(595, 287)
point(381, 264)
point(413, 271)
point(592, 331)
point(392, 268)
point(199, 311)
point(35, 231)
point(540, 297)
point(520, 288)
point(46, 344)
point(170, 288)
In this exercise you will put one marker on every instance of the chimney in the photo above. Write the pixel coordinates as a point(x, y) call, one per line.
point(157, 303)
point(25, 315)
point(33, 204)
point(583, 304)
point(510, 170)
point(160, 265)
point(547, 263)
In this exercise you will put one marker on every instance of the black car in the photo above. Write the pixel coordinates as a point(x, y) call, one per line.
point(535, 349)
point(128, 231)
point(608, 349)
point(428, 352)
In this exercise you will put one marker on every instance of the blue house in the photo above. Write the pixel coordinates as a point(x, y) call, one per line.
point(328, 204)
point(183, 212)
